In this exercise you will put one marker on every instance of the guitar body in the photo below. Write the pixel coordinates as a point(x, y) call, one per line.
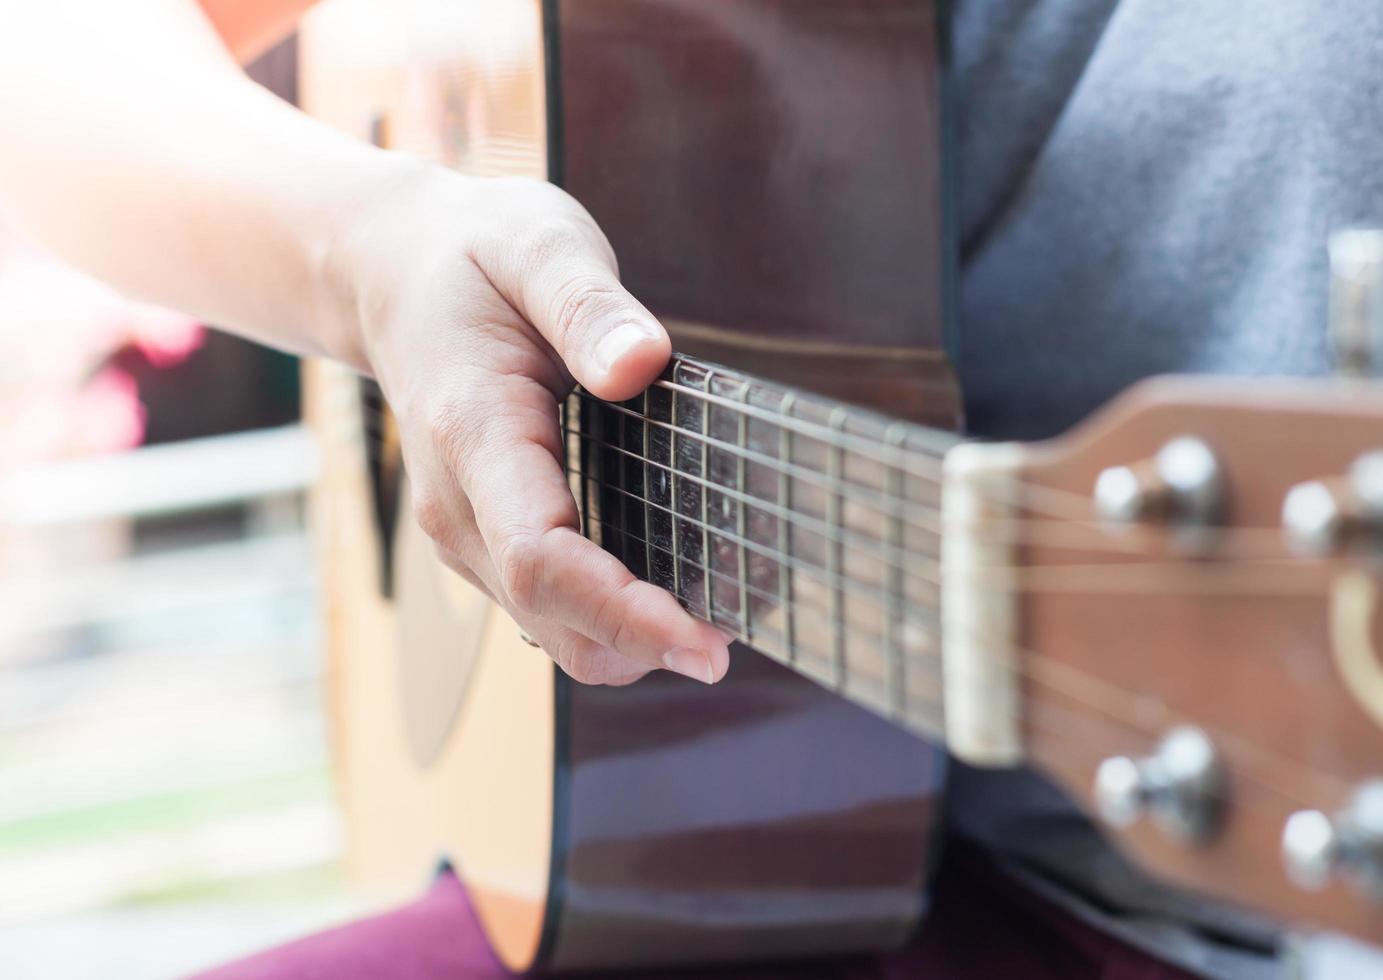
point(770, 176)
point(667, 823)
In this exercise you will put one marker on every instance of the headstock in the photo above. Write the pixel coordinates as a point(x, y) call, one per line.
point(1197, 570)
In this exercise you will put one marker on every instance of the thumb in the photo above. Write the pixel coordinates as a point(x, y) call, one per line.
point(566, 285)
point(610, 343)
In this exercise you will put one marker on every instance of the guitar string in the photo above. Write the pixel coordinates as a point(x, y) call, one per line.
point(936, 440)
point(1061, 503)
point(1162, 578)
point(924, 514)
point(893, 554)
point(1241, 746)
point(1241, 541)
point(905, 558)
point(1034, 663)
point(1058, 502)
point(723, 616)
point(1122, 709)
point(794, 563)
point(1297, 784)
point(1041, 669)
point(745, 628)
point(1031, 661)
point(1083, 534)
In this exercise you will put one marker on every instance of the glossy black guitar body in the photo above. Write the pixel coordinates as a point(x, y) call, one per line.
point(770, 174)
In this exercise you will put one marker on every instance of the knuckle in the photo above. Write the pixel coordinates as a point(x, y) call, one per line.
point(431, 512)
point(452, 561)
point(548, 237)
point(459, 434)
point(581, 661)
point(446, 556)
point(610, 624)
point(580, 304)
point(519, 562)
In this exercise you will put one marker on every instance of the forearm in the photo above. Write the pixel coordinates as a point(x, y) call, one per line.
point(131, 144)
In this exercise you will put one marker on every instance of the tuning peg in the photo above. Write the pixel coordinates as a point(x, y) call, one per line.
point(1181, 486)
point(1356, 301)
point(1317, 848)
point(1320, 517)
point(1313, 518)
point(1181, 786)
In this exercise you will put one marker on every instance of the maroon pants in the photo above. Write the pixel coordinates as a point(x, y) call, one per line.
point(981, 926)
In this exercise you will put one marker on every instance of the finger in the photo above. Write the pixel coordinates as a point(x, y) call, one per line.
point(584, 660)
point(580, 657)
point(562, 278)
point(546, 569)
point(463, 567)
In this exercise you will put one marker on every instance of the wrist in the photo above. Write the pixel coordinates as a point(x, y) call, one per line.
point(374, 244)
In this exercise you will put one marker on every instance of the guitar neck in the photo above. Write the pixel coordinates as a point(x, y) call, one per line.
point(1104, 594)
point(808, 529)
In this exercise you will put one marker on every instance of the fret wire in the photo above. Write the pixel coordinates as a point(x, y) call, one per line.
point(741, 524)
point(898, 696)
point(904, 559)
point(1011, 526)
point(930, 518)
point(623, 479)
point(826, 434)
point(817, 572)
point(706, 498)
point(860, 634)
point(581, 449)
point(785, 530)
point(835, 559)
point(598, 441)
point(673, 498)
point(647, 491)
point(1065, 504)
point(1044, 678)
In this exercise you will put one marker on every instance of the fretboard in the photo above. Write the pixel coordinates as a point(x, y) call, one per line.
point(808, 529)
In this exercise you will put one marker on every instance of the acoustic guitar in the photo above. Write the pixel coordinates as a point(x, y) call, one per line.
point(1169, 611)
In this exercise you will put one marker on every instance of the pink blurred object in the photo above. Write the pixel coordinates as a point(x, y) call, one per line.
point(58, 327)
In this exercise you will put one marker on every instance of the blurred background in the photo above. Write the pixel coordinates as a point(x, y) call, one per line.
point(165, 791)
point(165, 799)
point(177, 648)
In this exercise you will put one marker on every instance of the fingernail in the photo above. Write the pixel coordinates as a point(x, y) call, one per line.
point(690, 662)
point(620, 341)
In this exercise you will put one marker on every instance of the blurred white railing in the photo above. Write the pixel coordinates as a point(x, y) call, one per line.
point(191, 475)
point(161, 715)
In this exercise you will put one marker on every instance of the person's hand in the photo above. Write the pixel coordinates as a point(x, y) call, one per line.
point(479, 301)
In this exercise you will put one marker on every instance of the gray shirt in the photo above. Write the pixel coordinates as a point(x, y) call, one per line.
point(1146, 186)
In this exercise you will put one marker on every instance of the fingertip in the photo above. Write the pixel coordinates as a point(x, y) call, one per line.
point(705, 665)
point(719, 658)
point(627, 359)
point(707, 661)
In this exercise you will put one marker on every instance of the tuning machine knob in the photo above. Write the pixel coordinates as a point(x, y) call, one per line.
point(1322, 517)
point(1181, 486)
point(1180, 786)
point(1316, 848)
